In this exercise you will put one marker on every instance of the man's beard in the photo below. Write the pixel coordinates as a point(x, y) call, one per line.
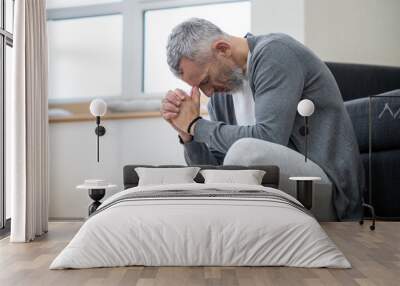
point(234, 79)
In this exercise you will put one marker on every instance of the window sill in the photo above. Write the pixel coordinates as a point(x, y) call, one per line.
point(79, 112)
point(110, 116)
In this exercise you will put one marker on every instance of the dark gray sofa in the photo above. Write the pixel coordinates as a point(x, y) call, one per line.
point(357, 82)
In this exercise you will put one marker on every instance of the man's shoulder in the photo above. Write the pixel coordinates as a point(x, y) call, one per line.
point(273, 42)
point(267, 38)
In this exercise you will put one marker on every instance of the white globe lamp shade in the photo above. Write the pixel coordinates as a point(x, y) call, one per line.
point(98, 107)
point(305, 107)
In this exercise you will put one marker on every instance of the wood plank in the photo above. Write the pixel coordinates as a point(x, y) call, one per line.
point(375, 257)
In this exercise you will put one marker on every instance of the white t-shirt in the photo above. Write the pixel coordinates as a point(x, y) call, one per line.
point(243, 102)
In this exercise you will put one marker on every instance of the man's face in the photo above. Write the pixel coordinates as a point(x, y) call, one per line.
point(217, 75)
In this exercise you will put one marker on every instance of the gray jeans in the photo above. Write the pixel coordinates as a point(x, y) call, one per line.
point(251, 151)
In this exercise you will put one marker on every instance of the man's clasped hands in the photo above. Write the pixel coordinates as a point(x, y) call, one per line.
point(180, 109)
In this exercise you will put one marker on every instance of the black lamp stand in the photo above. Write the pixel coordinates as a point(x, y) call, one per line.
point(306, 135)
point(100, 131)
point(304, 131)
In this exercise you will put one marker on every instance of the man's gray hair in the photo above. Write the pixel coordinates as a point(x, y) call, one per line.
point(191, 39)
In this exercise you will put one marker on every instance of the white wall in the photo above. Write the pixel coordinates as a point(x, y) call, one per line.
point(73, 157)
point(357, 31)
point(283, 16)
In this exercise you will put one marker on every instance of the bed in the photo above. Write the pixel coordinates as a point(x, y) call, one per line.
point(197, 224)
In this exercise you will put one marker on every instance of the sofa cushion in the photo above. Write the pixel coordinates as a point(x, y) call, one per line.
point(385, 117)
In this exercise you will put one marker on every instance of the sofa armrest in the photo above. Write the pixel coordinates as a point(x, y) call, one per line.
point(385, 117)
point(356, 80)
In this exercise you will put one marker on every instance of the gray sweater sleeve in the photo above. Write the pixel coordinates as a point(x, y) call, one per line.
point(277, 83)
point(197, 153)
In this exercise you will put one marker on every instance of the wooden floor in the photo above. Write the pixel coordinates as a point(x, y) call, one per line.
point(374, 255)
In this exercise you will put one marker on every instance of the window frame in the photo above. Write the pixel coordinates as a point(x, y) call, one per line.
point(6, 39)
point(133, 13)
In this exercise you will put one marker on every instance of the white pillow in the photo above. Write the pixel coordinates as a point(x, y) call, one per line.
point(248, 177)
point(163, 176)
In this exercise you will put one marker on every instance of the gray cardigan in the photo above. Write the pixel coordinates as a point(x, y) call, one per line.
point(281, 72)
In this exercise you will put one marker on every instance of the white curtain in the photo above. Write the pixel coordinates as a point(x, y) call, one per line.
point(28, 123)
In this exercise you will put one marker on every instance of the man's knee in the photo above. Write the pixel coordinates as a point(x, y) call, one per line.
point(242, 152)
point(240, 145)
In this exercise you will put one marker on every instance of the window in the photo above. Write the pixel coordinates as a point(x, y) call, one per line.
point(6, 43)
point(116, 48)
point(85, 57)
point(231, 17)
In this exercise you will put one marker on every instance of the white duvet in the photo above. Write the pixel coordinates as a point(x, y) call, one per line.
point(200, 231)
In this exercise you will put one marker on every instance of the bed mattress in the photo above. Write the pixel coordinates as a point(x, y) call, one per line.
point(201, 225)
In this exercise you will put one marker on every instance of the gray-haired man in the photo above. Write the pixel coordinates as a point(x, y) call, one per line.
point(254, 84)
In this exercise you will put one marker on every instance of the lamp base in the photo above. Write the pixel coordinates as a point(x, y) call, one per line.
point(304, 131)
point(100, 130)
point(96, 195)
